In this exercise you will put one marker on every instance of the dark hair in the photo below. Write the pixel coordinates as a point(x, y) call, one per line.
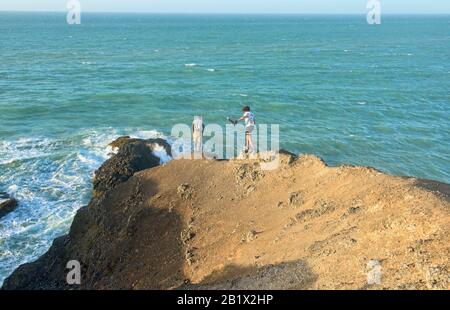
point(246, 109)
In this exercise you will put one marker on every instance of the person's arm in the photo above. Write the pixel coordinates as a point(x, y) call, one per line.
point(243, 117)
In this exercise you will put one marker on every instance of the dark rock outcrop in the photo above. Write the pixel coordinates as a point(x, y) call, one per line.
point(133, 155)
point(7, 204)
point(119, 142)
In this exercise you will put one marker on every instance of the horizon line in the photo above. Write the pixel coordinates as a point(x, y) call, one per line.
point(223, 13)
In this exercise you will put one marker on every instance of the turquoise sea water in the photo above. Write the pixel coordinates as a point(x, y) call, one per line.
point(339, 88)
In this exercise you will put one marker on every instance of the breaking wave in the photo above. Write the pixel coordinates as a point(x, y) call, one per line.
point(52, 179)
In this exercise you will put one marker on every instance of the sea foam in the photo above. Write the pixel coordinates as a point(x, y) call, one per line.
point(52, 179)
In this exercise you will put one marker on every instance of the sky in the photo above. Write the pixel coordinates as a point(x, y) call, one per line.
point(233, 6)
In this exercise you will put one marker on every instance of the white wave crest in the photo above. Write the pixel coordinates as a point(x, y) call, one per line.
point(51, 178)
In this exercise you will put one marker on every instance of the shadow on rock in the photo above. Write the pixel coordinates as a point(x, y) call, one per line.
point(434, 186)
point(136, 246)
point(283, 276)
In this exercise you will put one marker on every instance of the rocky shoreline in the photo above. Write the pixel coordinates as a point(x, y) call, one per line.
point(227, 224)
point(133, 155)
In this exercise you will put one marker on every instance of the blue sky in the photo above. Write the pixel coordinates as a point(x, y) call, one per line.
point(232, 6)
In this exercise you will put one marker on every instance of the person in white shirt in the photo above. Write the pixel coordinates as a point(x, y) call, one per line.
point(197, 133)
point(250, 121)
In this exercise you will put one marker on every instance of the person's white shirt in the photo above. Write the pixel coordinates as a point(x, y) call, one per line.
point(249, 118)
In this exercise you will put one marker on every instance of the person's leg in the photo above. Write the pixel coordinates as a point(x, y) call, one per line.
point(200, 144)
point(250, 143)
point(197, 137)
point(196, 142)
point(247, 135)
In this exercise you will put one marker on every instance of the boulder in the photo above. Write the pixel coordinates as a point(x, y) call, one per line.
point(121, 141)
point(7, 204)
point(133, 155)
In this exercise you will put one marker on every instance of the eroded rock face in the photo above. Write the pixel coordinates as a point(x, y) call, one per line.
point(133, 155)
point(7, 204)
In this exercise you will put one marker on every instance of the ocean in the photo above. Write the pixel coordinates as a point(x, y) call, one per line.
point(341, 89)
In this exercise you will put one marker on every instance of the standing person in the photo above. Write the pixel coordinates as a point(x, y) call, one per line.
point(250, 121)
point(197, 133)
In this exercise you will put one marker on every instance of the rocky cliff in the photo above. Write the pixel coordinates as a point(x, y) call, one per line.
point(198, 224)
